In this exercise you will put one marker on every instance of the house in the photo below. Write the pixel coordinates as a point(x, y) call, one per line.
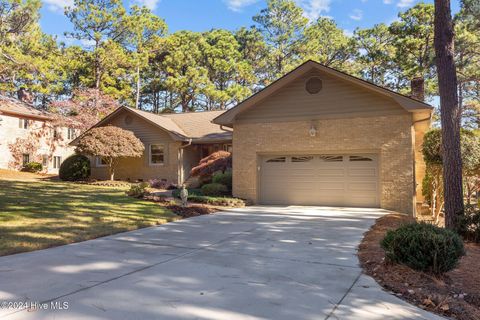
point(318, 136)
point(28, 134)
point(174, 143)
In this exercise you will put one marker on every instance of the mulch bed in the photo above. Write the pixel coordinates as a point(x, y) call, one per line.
point(455, 294)
point(191, 210)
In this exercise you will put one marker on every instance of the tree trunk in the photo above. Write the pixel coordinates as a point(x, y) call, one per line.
point(450, 113)
point(137, 97)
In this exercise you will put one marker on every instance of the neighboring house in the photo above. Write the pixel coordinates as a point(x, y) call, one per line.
point(28, 134)
point(174, 143)
point(318, 136)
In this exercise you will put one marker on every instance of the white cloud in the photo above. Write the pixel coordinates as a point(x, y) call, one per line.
point(357, 15)
point(236, 5)
point(58, 5)
point(314, 8)
point(404, 3)
point(150, 4)
point(387, 1)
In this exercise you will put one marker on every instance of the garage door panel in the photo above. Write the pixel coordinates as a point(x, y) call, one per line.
point(337, 180)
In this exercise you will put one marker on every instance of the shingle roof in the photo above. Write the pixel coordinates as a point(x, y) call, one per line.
point(197, 126)
point(14, 106)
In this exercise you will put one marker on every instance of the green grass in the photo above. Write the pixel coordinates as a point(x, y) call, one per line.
point(39, 214)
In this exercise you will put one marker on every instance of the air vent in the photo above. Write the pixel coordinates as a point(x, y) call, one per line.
point(128, 120)
point(313, 85)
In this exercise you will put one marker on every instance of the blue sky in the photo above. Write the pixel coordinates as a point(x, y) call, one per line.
point(203, 15)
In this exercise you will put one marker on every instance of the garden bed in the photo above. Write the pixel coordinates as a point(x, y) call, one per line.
point(455, 294)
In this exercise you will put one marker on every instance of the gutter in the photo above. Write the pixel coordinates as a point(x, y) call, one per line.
point(188, 144)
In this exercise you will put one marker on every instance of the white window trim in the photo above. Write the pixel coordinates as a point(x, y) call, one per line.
point(55, 164)
point(150, 154)
point(98, 163)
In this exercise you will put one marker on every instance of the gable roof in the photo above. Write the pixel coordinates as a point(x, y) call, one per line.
point(409, 104)
point(16, 107)
point(195, 126)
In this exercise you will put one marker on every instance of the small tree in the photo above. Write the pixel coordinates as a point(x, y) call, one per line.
point(110, 144)
point(217, 161)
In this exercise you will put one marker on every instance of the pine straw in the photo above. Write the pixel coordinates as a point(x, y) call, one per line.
point(456, 294)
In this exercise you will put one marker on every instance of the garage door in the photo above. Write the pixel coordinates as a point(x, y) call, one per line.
point(333, 180)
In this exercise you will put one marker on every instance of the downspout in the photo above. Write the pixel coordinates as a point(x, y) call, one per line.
point(222, 128)
point(180, 151)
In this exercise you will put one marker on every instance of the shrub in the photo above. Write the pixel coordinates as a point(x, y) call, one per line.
point(223, 178)
point(423, 247)
point(32, 167)
point(214, 189)
point(191, 192)
point(75, 168)
point(469, 224)
point(217, 161)
point(161, 184)
point(218, 201)
point(137, 190)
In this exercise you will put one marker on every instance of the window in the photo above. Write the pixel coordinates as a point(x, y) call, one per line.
point(25, 158)
point(57, 161)
point(360, 158)
point(227, 147)
point(278, 159)
point(56, 133)
point(100, 162)
point(71, 133)
point(302, 159)
point(23, 123)
point(332, 158)
point(156, 154)
point(45, 161)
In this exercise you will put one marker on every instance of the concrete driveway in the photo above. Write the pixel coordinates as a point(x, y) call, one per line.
point(252, 263)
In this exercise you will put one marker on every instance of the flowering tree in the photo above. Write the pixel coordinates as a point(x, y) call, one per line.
point(110, 144)
point(84, 109)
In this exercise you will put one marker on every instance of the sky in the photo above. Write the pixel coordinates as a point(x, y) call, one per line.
point(203, 15)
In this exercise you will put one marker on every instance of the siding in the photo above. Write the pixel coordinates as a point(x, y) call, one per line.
point(337, 99)
point(139, 168)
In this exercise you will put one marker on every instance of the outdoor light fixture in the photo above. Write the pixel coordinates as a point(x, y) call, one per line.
point(313, 131)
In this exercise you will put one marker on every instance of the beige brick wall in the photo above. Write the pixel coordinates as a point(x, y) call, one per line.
point(388, 136)
point(41, 133)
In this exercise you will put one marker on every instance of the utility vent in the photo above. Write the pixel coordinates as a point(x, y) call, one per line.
point(313, 85)
point(128, 120)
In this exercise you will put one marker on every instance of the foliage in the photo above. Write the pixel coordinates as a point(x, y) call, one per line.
point(469, 224)
point(217, 161)
point(197, 196)
point(214, 189)
point(138, 190)
point(224, 178)
point(191, 192)
point(111, 144)
point(161, 184)
point(75, 168)
point(423, 247)
point(32, 167)
point(20, 147)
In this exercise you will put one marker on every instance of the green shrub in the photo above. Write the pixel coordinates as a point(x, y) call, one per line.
point(214, 189)
point(191, 192)
point(137, 190)
point(423, 247)
point(75, 168)
point(223, 178)
point(218, 201)
point(469, 224)
point(32, 167)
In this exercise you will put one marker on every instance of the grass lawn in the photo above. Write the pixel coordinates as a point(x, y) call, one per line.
point(40, 214)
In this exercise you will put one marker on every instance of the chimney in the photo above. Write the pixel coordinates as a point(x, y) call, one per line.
point(417, 86)
point(25, 96)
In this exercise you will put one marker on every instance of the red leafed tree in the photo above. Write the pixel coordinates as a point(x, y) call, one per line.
point(84, 109)
point(217, 161)
point(450, 113)
point(110, 144)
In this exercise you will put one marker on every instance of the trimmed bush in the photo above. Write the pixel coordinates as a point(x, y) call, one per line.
point(223, 178)
point(75, 168)
point(214, 189)
point(32, 167)
point(423, 247)
point(138, 190)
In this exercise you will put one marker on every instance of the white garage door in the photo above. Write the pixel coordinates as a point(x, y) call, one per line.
point(331, 180)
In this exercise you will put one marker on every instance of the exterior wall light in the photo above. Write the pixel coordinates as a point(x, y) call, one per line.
point(313, 130)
